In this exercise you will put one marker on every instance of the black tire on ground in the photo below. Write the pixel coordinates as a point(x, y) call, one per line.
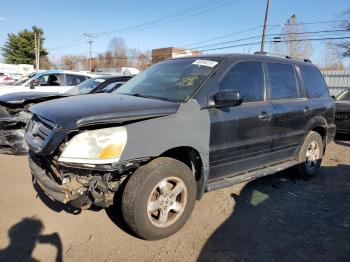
point(152, 185)
point(307, 167)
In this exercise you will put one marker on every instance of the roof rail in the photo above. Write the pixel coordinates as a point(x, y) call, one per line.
point(281, 55)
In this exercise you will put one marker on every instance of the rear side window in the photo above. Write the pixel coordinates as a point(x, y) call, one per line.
point(315, 85)
point(73, 80)
point(248, 79)
point(283, 84)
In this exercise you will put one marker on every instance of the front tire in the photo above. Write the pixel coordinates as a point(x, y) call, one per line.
point(159, 198)
point(310, 155)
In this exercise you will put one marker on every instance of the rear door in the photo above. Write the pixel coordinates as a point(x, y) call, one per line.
point(240, 136)
point(291, 109)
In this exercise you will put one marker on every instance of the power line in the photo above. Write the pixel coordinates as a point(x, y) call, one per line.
point(174, 17)
point(260, 26)
point(213, 7)
point(269, 35)
point(294, 40)
point(182, 12)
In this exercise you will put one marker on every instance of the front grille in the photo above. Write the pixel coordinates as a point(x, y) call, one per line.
point(342, 116)
point(38, 131)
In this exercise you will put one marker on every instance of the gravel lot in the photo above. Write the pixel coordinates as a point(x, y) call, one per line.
point(276, 218)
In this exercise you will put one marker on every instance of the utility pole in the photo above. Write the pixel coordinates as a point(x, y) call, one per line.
point(89, 36)
point(265, 26)
point(38, 50)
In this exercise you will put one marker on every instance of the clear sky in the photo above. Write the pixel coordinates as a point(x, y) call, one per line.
point(65, 21)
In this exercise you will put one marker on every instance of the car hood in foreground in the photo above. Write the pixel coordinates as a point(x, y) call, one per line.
point(21, 98)
point(342, 106)
point(86, 110)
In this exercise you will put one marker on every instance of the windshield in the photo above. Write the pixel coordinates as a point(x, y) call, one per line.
point(173, 80)
point(344, 96)
point(86, 86)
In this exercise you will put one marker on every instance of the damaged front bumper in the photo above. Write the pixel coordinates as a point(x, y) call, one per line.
point(75, 186)
point(12, 128)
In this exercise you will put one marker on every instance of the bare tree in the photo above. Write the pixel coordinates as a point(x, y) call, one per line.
point(118, 47)
point(45, 63)
point(72, 62)
point(144, 60)
point(294, 41)
point(345, 46)
point(333, 57)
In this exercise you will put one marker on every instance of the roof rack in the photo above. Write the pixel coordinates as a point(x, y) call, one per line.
point(280, 55)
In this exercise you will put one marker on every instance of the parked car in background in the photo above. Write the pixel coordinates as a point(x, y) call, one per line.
point(5, 78)
point(48, 81)
point(182, 127)
point(14, 114)
point(342, 115)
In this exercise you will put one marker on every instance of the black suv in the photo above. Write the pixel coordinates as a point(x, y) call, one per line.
point(182, 127)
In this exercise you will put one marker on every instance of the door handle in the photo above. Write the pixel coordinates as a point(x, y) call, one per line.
point(265, 116)
point(307, 110)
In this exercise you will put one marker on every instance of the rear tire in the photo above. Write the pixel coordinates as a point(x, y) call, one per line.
point(310, 155)
point(159, 198)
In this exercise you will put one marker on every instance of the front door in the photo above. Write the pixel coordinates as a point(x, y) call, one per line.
point(49, 83)
point(240, 138)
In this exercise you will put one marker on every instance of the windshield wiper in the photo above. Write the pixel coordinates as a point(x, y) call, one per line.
point(149, 96)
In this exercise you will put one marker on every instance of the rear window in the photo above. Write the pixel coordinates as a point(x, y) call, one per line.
point(315, 85)
point(283, 84)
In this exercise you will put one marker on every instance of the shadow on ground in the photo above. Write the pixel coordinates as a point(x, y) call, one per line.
point(285, 218)
point(23, 238)
point(342, 139)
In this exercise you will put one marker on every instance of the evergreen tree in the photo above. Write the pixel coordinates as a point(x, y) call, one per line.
point(19, 48)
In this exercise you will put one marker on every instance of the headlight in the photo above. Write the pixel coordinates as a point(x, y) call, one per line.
point(100, 146)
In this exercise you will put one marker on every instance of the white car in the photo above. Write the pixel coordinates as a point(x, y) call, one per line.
point(47, 81)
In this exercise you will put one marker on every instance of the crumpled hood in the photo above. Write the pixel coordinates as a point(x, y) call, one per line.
point(20, 98)
point(342, 106)
point(77, 111)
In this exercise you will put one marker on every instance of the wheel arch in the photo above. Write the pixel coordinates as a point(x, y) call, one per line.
point(318, 124)
point(194, 160)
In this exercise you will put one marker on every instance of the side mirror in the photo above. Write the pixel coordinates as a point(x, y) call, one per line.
point(333, 97)
point(227, 98)
point(33, 84)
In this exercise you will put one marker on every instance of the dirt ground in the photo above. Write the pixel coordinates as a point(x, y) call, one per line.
point(276, 218)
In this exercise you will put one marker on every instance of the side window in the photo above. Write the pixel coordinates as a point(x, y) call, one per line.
point(248, 79)
point(73, 80)
point(49, 80)
point(283, 84)
point(314, 82)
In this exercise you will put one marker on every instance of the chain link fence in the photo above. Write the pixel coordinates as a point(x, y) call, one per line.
point(337, 80)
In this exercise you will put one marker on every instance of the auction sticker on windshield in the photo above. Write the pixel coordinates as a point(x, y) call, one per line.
point(205, 63)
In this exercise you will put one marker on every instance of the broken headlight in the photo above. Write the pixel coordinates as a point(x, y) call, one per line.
point(102, 146)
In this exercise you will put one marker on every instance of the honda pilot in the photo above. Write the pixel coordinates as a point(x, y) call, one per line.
point(182, 127)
